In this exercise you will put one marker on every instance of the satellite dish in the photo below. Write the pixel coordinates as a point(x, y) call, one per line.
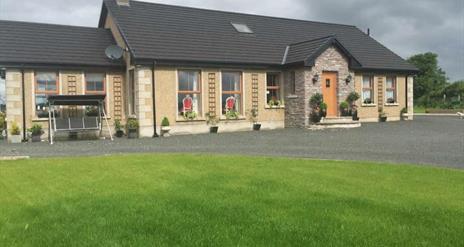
point(114, 52)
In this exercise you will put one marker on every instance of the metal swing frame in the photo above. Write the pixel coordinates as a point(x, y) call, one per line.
point(77, 124)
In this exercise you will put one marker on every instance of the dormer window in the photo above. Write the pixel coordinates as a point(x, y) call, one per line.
point(241, 28)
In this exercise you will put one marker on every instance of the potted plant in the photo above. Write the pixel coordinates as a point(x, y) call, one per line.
point(212, 120)
point(351, 99)
point(404, 113)
point(132, 128)
point(382, 115)
point(274, 102)
point(344, 109)
point(36, 132)
point(323, 109)
point(232, 114)
point(254, 119)
point(354, 112)
point(165, 127)
point(190, 115)
point(15, 133)
point(315, 103)
point(119, 128)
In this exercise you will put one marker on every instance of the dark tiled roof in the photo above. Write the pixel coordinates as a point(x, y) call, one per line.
point(301, 51)
point(166, 32)
point(34, 43)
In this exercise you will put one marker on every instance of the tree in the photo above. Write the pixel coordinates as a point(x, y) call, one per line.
point(430, 81)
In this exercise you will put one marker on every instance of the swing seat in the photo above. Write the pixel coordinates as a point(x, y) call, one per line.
point(77, 124)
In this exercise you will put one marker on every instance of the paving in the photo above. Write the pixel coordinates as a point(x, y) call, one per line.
point(428, 140)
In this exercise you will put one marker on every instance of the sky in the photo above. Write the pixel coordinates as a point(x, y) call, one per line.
point(407, 27)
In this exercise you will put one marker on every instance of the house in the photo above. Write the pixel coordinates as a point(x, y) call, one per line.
point(184, 63)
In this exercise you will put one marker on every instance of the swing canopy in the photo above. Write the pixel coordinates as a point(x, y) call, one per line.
point(76, 100)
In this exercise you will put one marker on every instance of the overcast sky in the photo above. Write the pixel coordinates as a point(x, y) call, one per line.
point(405, 26)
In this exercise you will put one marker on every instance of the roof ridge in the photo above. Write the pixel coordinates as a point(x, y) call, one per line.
point(311, 40)
point(241, 13)
point(51, 24)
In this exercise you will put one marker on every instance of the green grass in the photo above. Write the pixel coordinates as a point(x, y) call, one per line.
point(190, 200)
point(419, 109)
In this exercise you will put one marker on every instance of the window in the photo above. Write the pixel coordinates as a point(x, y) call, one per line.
point(95, 83)
point(368, 90)
point(2, 91)
point(241, 28)
point(231, 93)
point(273, 89)
point(189, 94)
point(390, 90)
point(46, 83)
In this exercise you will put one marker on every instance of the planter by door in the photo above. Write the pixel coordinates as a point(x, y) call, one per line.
point(119, 133)
point(256, 127)
point(36, 138)
point(329, 91)
point(383, 119)
point(165, 131)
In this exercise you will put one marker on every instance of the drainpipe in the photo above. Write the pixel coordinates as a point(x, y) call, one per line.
point(153, 83)
point(24, 104)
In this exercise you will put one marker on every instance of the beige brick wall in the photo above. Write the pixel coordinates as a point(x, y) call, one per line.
point(14, 98)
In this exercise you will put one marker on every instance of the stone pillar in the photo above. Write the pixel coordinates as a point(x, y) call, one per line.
point(14, 103)
point(144, 101)
point(410, 99)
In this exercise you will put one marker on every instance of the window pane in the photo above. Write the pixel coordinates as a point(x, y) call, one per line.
point(46, 81)
point(231, 81)
point(390, 96)
point(366, 81)
point(389, 82)
point(188, 81)
point(187, 103)
point(242, 28)
point(95, 82)
point(41, 108)
point(231, 102)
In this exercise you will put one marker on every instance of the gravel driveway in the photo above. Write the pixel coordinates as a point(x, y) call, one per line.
point(426, 140)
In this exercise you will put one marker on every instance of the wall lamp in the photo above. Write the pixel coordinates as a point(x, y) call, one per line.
point(348, 79)
point(315, 78)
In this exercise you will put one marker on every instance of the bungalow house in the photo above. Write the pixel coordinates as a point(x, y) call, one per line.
point(186, 63)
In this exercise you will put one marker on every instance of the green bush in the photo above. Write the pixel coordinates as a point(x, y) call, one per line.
point(132, 124)
point(352, 97)
point(316, 100)
point(232, 114)
point(2, 121)
point(344, 105)
point(117, 125)
point(211, 119)
point(323, 106)
point(190, 115)
point(36, 129)
point(165, 122)
point(15, 129)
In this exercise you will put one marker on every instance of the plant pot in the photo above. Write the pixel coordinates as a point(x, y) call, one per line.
point(132, 133)
point(383, 119)
point(323, 113)
point(119, 133)
point(15, 139)
point(355, 116)
point(165, 131)
point(256, 127)
point(213, 129)
point(315, 117)
point(36, 137)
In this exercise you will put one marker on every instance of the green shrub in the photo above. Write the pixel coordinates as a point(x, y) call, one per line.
point(323, 106)
point(117, 125)
point(316, 100)
point(211, 119)
point(2, 121)
point(232, 114)
point(36, 129)
point(132, 124)
point(190, 115)
point(15, 129)
point(344, 105)
point(352, 97)
point(165, 122)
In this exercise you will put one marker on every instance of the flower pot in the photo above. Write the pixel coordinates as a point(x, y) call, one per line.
point(323, 113)
point(213, 129)
point(256, 127)
point(132, 134)
point(165, 131)
point(119, 133)
point(355, 116)
point(383, 119)
point(15, 139)
point(36, 137)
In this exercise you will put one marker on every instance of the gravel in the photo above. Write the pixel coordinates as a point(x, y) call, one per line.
point(426, 140)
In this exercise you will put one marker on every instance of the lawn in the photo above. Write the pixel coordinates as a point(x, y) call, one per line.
point(191, 200)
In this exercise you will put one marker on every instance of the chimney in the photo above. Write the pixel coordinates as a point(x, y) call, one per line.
point(368, 32)
point(123, 2)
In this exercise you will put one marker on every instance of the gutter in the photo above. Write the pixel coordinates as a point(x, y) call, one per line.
point(24, 104)
point(153, 91)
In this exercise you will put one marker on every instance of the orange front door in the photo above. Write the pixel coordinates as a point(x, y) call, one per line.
point(329, 91)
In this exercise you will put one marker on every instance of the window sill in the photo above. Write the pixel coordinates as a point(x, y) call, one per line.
point(40, 120)
point(274, 107)
point(180, 120)
point(369, 105)
point(292, 96)
point(392, 104)
point(224, 119)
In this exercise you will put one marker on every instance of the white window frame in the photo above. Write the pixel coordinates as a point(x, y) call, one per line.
point(281, 89)
point(243, 98)
point(373, 99)
point(202, 93)
point(395, 80)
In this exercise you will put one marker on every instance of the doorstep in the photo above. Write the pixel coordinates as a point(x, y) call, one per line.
point(336, 123)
